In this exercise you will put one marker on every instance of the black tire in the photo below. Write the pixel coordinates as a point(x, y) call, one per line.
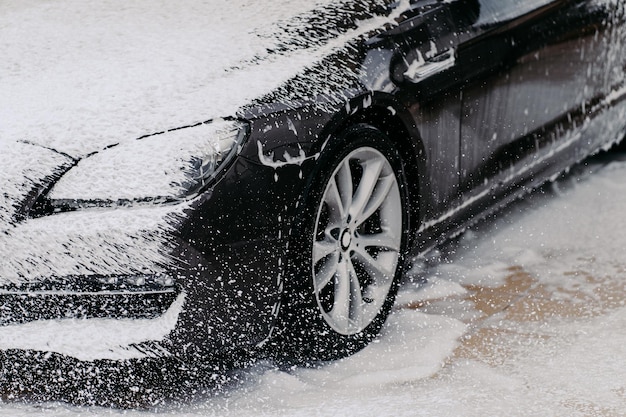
point(329, 315)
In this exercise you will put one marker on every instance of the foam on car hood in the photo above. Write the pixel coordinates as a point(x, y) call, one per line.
point(78, 77)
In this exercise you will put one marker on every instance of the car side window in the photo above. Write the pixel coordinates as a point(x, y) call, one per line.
point(496, 11)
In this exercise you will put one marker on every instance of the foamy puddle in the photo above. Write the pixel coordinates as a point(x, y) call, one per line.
point(493, 312)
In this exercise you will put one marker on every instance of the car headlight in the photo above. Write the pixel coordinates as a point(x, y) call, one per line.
point(159, 168)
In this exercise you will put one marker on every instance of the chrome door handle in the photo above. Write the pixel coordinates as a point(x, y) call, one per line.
point(421, 68)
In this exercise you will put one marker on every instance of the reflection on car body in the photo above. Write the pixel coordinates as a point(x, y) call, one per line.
point(285, 222)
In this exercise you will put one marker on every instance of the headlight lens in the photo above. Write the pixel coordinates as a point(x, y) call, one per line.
point(173, 165)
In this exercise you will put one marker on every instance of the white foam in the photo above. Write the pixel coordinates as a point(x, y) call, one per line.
point(91, 339)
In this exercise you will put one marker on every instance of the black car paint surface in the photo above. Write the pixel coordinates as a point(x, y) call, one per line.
point(482, 99)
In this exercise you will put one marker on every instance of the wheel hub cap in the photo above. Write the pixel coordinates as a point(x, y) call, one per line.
point(346, 239)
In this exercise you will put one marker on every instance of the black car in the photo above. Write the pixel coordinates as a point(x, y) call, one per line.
point(284, 220)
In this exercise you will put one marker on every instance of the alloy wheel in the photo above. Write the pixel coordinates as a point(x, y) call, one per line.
point(357, 240)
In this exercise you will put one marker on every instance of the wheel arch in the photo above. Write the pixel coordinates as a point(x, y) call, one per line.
point(386, 114)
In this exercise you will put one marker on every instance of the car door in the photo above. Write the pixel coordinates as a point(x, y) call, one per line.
point(556, 62)
point(448, 47)
point(429, 77)
point(495, 84)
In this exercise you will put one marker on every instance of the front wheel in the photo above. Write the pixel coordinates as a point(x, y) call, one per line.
point(348, 251)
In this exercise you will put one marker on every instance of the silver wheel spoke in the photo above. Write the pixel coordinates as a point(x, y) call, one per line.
point(379, 240)
point(348, 306)
point(323, 248)
point(377, 197)
point(374, 267)
point(340, 312)
point(344, 179)
point(335, 205)
point(326, 273)
point(371, 173)
point(356, 298)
